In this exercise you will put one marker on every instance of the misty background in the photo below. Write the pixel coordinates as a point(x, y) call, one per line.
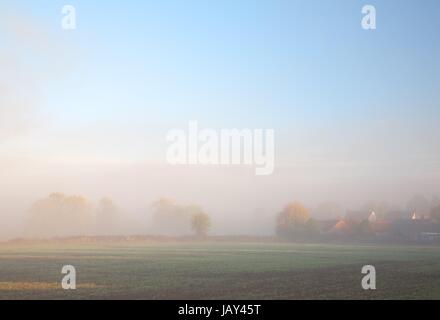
point(86, 112)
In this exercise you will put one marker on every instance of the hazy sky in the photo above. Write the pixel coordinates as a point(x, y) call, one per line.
point(355, 112)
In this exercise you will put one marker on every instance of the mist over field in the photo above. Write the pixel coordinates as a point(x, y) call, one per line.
point(219, 150)
point(238, 201)
point(83, 115)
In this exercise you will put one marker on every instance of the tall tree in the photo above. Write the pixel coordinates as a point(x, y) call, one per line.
point(292, 220)
point(200, 223)
point(106, 216)
point(435, 214)
point(171, 218)
point(60, 215)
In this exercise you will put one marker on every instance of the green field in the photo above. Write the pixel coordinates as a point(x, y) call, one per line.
point(192, 270)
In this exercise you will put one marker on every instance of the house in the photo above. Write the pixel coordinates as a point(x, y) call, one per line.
point(344, 228)
point(327, 225)
point(415, 230)
point(341, 227)
point(430, 236)
point(399, 215)
point(357, 216)
point(372, 218)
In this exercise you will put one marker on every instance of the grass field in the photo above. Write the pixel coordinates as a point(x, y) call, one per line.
point(192, 270)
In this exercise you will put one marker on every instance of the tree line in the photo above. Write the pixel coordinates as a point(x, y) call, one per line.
point(66, 215)
point(59, 215)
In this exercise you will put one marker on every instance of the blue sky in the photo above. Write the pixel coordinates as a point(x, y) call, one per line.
point(269, 62)
point(332, 91)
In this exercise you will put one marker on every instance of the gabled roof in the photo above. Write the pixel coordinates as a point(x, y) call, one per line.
point(357, 215)
point(399, 215)
point(341, 226)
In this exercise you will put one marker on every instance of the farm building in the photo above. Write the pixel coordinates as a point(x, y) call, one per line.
point(415, 230)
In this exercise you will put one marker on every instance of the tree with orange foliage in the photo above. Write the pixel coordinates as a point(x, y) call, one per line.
point(292, 221)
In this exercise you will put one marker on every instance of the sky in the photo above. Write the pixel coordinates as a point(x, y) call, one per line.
point(355, 112)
